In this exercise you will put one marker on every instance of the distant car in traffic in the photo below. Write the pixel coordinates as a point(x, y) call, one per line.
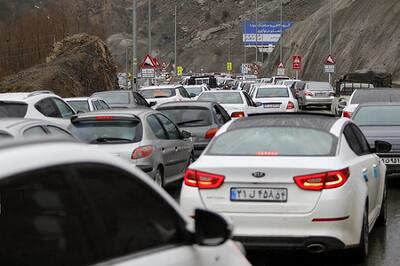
point(275, 98)
point(87, 104)
point(237, 103)
point(381, 121)
point(275, 79)
point(122, 99)
point(201, 119)
point(44, 105)
point(195, 90)
point(378, 95)
point(300, 181)
point(143, 137)
point(316, 94)
point(157, 95)
point(74, 205)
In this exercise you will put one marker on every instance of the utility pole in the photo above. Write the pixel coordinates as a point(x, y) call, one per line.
point(134, 45)
point(330, 33)
point(176, 33)
point(149, 27)
point(256, 30)
point(280, 39)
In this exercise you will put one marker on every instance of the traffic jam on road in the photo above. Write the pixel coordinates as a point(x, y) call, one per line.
point(252, 168)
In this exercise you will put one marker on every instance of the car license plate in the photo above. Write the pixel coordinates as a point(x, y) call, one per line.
point(391, 160)
point(272, 105)
point(259, 194)
point(320, 94)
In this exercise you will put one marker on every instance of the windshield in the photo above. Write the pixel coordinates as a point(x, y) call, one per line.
point(158, 93)
point(377, 116)
point(272, 93)
point(82, 106)
point(319, 86)
point(365, 96)
point(107, 131)
point(222, 97)
point(188, 116)
point(115, 97)
point(274, 141)
point(13, 109)
point(194, 90)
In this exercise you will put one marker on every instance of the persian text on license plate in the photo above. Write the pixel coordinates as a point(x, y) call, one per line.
point(259, 194)
point(391, 160)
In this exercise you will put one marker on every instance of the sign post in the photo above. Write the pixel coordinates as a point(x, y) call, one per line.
point(281, 69)
point(296, 64)
point(330, 66)
point(179, 70)
point(148, 67)
point(229, 66)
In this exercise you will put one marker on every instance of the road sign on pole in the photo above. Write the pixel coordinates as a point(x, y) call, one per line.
point(149, 62)
point(149, 73)
point(281, 69)
point(229, 66)
point(329, 65)
point(179, 71)
point(296, 65)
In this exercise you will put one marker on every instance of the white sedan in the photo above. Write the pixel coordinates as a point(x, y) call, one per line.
point(275, 98)
point(301, 181)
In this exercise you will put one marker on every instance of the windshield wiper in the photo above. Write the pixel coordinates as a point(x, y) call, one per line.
point(189, 122)
point(107, 139)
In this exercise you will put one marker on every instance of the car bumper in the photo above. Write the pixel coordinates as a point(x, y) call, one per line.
point(318, 100)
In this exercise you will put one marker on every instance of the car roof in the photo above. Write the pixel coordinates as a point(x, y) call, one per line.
point(263, 86)
point(22, 96)
point(160, 87)
point(118, 111)
point(222, 91)
point(113, 91)
point(188, 103)
point(318, 121)
point(79, 98)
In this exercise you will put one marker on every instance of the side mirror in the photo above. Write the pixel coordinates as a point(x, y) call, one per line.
point(258, 104)
point(382, 147)
point(192, 95)
point(211, 228)
point(151, 104)
point(186, 134)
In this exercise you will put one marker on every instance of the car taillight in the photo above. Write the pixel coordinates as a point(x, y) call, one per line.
point(347, 114)
point(237, 115)
point(308, 93)
point(211, 133)
point(290, 106)
point(203, 180)
point(320, 181)
point(142, 152)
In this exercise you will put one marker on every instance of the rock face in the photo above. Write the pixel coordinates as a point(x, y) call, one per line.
point(78, 66)
point(366, 35)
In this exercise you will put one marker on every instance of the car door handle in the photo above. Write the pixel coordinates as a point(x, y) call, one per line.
point(365, 174)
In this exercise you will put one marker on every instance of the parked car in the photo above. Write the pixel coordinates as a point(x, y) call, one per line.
point(157, 95)
point(16, 128)
point(304, 181)
point(195, 90)
point(237, 103)
point(201, 119)
point(44, 105)
point(74, 205)
point(381, 121)
point(275, 79)
point(379, 95)
point(275, 98)
point(122, 99)
point(87, 104)
point(144, 137)
point(316, 94)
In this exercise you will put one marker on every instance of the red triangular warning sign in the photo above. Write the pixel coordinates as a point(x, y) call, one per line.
point(296, 60)
point(330, 61)
point(281, 65)
point(148, 62)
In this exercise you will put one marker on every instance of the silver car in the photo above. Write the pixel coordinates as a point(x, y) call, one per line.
point(316, 93)
point(144, 137)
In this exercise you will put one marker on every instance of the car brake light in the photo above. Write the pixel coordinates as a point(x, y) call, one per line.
point(104, 117)
point(347, 114)
point(237, 114)
point(142, 152)
point(320, 181)
point(203, 180)
point(290, 106)
point(308, 93)
point(211, 133)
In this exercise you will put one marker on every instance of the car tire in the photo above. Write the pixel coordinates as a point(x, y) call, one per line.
point(158, 177)
point(382, 218)
point(360, 253)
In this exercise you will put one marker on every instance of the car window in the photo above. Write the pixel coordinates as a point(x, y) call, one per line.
point(42, 222)
point(352, 140)
point(48, 108)
point(134, 217)
point(82, 106)
point(13, 109)
point(248, 99)
point(170, 127)
point(56, 131)
point(194, 90)
point(140, 100)
point(188, 116)
point(272, 93)
point(365, 148)
point(183, 92)
point(114, 97)
point(65, 110)
point(34, 132)
point(319, 86)
point(224, 113)
point(222, 97)
point(218, 115)
point(104, 105)
point(156, 127)
point(368, 96)
point(377, 116)
point(158, 93)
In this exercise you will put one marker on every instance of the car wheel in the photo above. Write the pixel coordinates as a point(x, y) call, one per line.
point(360, 253)
point(158, 177)
point(382, 218)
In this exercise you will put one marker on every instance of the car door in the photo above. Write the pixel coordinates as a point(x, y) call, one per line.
point(183, 149)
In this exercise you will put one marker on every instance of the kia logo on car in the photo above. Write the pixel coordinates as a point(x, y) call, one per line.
point(258, 174)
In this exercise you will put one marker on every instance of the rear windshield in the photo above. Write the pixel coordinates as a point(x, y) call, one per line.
point(272, 93)
point(158, 93)
point(319, 86)
point(115, 97)
point(188, 116)
point(194, 90)
point(82, 106)
point(108, 131)
point(378, 116)
point(13, 109)
point(366, 96)
point(274, 141)
point(222, 97)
